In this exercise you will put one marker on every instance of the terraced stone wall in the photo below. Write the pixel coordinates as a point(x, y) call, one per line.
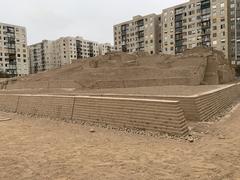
point(145, 114)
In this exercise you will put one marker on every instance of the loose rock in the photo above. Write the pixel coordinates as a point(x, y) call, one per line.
point(92, 131)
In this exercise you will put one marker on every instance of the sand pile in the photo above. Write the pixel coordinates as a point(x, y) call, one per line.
point(119, 70)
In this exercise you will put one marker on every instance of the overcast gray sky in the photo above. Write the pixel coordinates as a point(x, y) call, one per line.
point(92, 19)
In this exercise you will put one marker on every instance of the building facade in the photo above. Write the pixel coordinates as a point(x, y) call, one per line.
point(54, 54)
point(13, 50)
point(235, 31)
point(185, 26)
point(139, 34)
point(86, 48)
point(41, 56)
point(105, 48)
point(196, 23)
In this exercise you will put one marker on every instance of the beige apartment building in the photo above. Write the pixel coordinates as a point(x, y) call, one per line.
point(235, 32)
point(196, 23)
point(105, 48)
point(41, 56)
point(139, 34)
point(13, 50)
point(184, 26)
point(54, 54)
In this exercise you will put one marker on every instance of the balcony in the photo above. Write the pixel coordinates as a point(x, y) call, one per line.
point(13, 64)
point(205, 4)
point(206, 40)
point(178, 25)
point(140, 23)
point(178, 18)
point(206, 25)
point(180, 10)
point(11, 51)
point(140, 39)
point(140, 28)
point(206, 32)
point(10, 36)
point(178, 31)
point(207, 18)
point(206, 11)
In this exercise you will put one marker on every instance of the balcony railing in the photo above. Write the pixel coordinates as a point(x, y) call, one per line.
point(140, 28)
point(140, 39)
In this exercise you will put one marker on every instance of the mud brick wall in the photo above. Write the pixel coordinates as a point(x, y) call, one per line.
point(200, 107)
point(146, 114)
point(100, 84)
point(62, 84)
point(109, 84)
point(187, 103)
point(9, 103)
point(210, 104)
point(238, 89)
point(15, 85)
point(142, 83)
point(50, 106)
point(27, 85)
point(132, 111)
point(153, 115)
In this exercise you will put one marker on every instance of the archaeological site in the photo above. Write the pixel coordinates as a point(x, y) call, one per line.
point(120, 90)
point(122, 116)
point(160, 93)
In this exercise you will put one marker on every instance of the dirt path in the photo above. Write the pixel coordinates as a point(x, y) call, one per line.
point(38, 148)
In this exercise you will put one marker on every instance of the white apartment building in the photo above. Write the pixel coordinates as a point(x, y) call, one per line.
point(142, 33)
point(41, 57)
point(235, 32)
point(105, 48)
point(13, 50)
point(54, 54)
point(86, 48)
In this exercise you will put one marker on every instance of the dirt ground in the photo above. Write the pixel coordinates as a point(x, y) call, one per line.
point(39, 148)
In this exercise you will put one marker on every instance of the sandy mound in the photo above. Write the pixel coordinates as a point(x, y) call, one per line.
point(118, 70)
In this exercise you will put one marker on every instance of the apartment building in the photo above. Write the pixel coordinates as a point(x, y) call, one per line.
point(235, 31)
point(105, 48)
point(48, 55)
point(41, 56)
point(86, 48)
point(139, 34)
point(196, 23)
point(184, 26)
point(13, 50)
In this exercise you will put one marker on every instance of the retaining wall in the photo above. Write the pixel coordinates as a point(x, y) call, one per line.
point(41, 84)
point(199, 107)
point(210, 104)
point(51, 106)
point(98, 84)
point(166, 114)
point(9, 103)
point(153, 115)
point(187, 103)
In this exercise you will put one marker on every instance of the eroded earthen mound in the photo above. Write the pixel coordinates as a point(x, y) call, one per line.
point(119, 70)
